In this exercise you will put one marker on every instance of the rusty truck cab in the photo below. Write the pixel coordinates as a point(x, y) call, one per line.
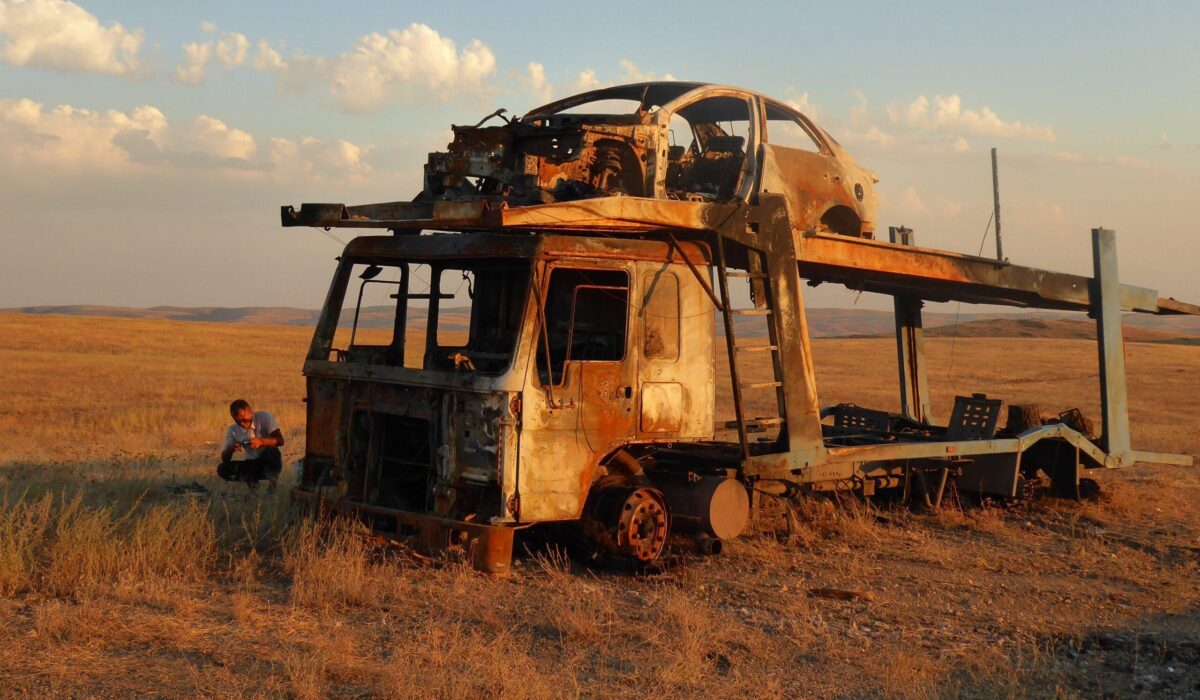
point(457, 422)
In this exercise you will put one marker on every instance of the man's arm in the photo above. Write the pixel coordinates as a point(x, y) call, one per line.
point(275, 440)
point(229, 446)
point(228, 450)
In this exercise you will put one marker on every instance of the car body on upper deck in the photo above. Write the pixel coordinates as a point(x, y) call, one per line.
point(693, 142)
point(643, 157)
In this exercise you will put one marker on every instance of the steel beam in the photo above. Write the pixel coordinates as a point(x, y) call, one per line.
point(910, 346)
point(806, 446)
point(938, 275)
point(1106, 307)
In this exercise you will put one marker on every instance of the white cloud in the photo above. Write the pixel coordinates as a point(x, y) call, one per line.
point(585, 80)
point(414, 63)
point(195, 64)
point(961, 146)
point(409, 64)
point(1132, 163)
point(860, 114)
point(946, 113)
point(1037, 215)
point(1120, 161)
point(804, 105)
point(206, 134)
point(267, 58)
point(232, 49)
point(873, 136)
point(911, 202)
point(1067, 157)
point(72, 140)
point(317, 158)
point(633, 74)
point(951, 208)
point(61, 35)
point(862, 129)
point(65, 135)
point(537, 84)
point(208, 27)
point(907, 202)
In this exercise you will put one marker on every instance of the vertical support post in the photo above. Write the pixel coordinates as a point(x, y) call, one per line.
point(802, 411)
point(910, 346)
point(395, 351)
point(1106, 307)
point(433, 313)
point(996, 204)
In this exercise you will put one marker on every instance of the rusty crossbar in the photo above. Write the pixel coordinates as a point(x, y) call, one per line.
point(489, 546)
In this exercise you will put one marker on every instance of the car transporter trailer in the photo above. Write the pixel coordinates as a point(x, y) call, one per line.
point(573, 401)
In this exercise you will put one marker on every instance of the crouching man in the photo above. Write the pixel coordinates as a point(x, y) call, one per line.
point(256, 435)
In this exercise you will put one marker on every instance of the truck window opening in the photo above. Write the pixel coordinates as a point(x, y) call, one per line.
point(586, 313)
point(423, 315)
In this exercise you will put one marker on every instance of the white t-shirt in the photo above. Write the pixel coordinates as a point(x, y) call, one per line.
point(262, 425)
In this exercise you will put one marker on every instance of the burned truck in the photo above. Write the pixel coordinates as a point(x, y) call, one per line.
point(555, 298)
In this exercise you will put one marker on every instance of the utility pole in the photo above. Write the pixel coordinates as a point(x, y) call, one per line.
point(996, 205)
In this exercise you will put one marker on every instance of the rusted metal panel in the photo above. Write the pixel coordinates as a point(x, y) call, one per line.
point(814, 183)
point(606, 416)
point(325, 409)
point(661, 408)
point(688, 365)
point(555, 462)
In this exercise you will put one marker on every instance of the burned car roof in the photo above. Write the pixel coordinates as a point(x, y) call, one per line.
point(647, 96)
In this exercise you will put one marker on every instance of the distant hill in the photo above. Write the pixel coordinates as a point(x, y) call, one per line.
point(269, 315)
point(1055, 328)
point(823, 322)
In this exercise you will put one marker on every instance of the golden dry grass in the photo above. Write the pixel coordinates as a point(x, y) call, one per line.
point(111, 584)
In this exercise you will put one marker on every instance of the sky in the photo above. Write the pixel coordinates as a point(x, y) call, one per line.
point(145, 147)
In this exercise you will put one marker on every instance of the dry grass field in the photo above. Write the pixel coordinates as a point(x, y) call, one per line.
point(118, 577)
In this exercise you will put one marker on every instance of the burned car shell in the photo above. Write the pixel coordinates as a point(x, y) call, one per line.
point(557, 154)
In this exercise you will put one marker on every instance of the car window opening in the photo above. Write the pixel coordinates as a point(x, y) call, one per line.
point(710, 167)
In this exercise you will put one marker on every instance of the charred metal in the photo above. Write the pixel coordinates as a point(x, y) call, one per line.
point(596, 239)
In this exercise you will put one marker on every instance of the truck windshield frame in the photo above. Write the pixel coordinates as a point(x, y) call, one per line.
point(456, 315)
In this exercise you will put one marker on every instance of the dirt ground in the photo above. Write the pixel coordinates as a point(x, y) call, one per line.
point(127, 567)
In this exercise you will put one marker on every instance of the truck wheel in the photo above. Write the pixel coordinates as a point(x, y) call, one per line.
point(628, 521)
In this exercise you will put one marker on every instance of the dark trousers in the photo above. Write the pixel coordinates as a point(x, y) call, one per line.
point(265, 466)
